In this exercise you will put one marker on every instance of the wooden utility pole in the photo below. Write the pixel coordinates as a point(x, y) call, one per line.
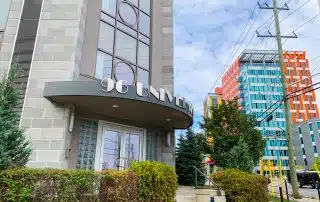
point(293, 174)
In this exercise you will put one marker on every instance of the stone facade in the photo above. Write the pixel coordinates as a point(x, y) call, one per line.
point(162, 39)
point(58, 54)
point(56, 58)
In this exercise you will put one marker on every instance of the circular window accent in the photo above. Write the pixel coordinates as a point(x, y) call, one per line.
point(127, 13)
point(124, 71)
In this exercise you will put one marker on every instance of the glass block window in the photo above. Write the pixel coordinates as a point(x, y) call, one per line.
point(87, 144)
point(151, 145)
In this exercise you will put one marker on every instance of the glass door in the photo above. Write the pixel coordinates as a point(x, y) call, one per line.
point(111, 149)
point(119, 146)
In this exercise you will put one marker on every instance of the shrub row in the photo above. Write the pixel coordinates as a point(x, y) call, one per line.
point(144, 181)
point(241, 186)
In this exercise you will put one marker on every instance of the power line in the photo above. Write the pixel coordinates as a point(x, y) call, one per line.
point(224, 66)
point(295, 10)
point(305, 23)
point(284, 98)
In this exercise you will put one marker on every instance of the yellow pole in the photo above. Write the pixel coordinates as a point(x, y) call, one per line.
point(271, 181)
point(281, 177)
point(261, 167)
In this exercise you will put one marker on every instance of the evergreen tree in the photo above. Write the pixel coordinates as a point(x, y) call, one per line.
point(14, 148)
point(228, 125)
point(240, 157)
point(189, 154)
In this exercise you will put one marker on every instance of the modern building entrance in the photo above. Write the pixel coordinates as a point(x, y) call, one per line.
point(118, 145)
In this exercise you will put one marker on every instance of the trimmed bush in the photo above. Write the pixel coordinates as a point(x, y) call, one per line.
point(241, 186)
point(119, 186)
point(144, 181)
point(48, 185)
point(156, 181)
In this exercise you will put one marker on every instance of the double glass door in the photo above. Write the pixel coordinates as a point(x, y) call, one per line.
point(119, 147)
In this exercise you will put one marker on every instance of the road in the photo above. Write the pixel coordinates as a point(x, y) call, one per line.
point(306, 191)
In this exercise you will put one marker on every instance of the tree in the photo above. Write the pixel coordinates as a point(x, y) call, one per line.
point(188, 154)
point(240, 157)
point(228, 125)
point(14, 148)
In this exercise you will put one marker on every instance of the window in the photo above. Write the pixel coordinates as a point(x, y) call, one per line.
point(104, 65)
point(124, 47)
point(310, 127)
point(305, 162)
point(4, 10)
point(109, 6)
point(143, 59)
point(301, 140)
point(318, 125)
point(315, 149)
point(303, 151)
point(106, 34)
point(312, 138)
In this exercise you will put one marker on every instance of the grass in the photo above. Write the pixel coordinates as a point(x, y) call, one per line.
point(276, 199)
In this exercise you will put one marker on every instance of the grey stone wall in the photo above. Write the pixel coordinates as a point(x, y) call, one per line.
point(162, 72)
point(162, 45)
point(57, 56)
point(9, 36)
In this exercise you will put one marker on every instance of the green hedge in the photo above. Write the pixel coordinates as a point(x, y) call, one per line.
point(156, 181)
point(144, 181)
point(241, 186)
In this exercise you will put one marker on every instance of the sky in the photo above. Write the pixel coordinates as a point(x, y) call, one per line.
point(206, 33)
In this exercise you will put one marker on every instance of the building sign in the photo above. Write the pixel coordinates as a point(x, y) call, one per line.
point(109, 85)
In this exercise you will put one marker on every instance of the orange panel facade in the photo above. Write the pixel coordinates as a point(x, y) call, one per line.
point(298, 77)
point(230, 84)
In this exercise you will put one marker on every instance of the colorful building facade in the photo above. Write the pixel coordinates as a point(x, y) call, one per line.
point(298, 77)
point(211, 100)
point(230, 85)
point(255, 77)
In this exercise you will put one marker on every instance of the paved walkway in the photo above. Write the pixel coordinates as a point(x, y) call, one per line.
point(186, 194)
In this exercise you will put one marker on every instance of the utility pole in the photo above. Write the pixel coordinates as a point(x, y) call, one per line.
point(293, 174)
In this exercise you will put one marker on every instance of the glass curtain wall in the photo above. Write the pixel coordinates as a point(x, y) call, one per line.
point(124, 41)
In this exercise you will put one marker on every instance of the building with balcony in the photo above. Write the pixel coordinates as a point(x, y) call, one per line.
point(96, 81)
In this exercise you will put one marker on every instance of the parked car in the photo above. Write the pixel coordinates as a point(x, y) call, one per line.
point(310, 178)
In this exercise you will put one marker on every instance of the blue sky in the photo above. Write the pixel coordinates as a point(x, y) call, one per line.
point(205, 32)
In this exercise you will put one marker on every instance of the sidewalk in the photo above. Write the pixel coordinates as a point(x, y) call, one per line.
point(186, 194)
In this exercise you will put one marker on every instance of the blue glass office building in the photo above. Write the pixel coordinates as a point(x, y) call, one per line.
point(259, 88)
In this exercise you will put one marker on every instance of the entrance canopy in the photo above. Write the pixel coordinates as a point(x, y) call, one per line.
point(143, 111)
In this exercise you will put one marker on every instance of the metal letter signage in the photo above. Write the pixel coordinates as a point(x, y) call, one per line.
point(162, 95)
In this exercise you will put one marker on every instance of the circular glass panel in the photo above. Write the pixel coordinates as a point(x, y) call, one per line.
point(128, 14)
point(123, 71)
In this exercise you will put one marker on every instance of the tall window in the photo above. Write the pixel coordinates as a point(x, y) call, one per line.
point(124, 41)
point(310, 127)
point(4, 10)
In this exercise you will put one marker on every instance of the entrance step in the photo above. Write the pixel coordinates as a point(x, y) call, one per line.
point(204, 195)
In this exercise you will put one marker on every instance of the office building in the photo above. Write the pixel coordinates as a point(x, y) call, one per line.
point(298, 77)
point(96, 86)
point(211, 100)
point(258, 78)
point(306, 139)
point(258, 86)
